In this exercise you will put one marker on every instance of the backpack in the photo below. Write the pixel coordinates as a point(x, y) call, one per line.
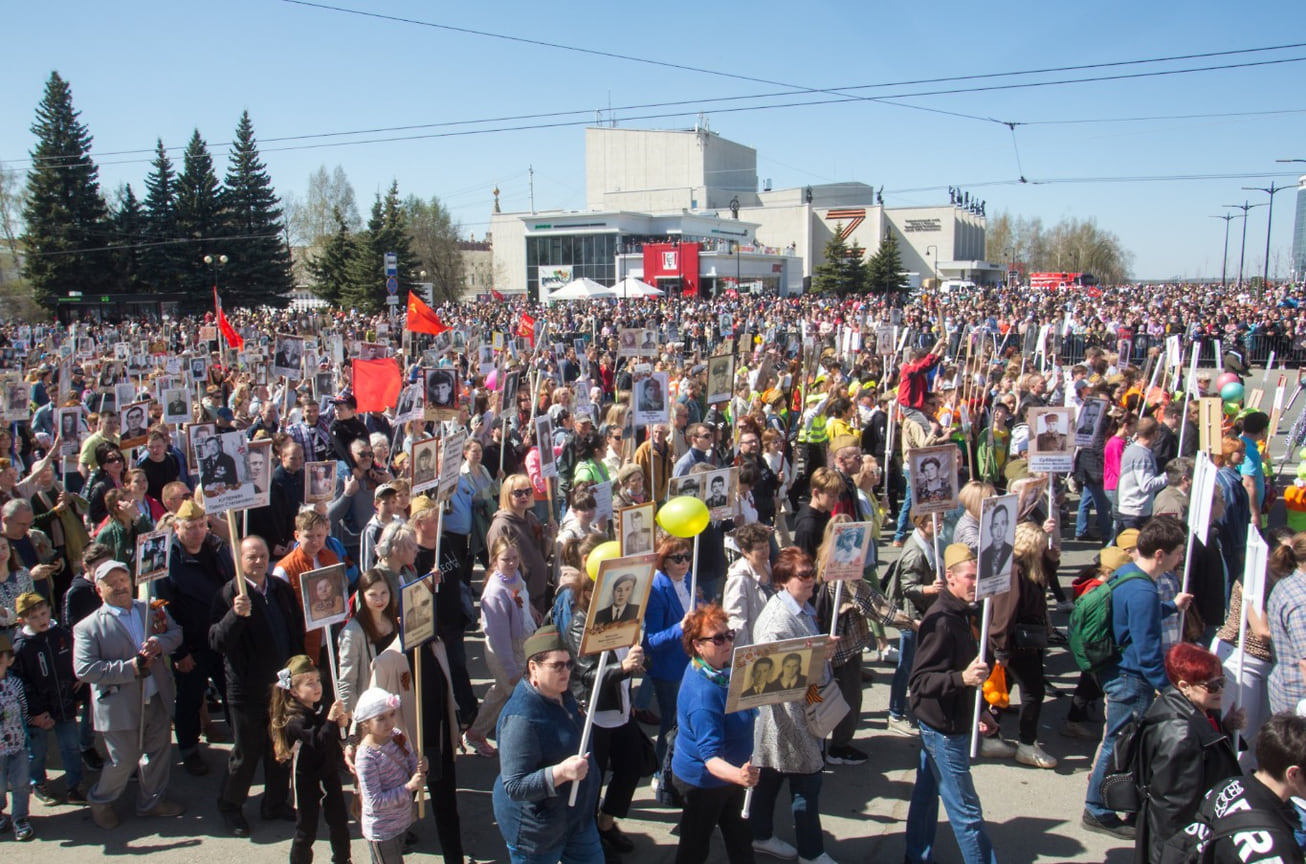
point(1121, 789)
point(1092, 634)
point(1195, 844)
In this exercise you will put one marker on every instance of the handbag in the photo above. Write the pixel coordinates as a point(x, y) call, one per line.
point(1030, 635)
point(825, 708)
point(648, 754)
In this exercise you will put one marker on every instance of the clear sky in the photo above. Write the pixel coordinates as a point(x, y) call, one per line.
point(150, 69)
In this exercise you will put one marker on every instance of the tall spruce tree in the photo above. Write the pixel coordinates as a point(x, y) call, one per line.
point(258, 272)
point(164, 261)
point(64, 211)
point(199, 221)
point(128, 239)
point(332, 268)
point(885, 268)
point(387, 231)
point(827, 277)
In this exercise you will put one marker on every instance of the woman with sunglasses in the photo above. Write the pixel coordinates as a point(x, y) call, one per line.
point(713, 749)
point(539, 738)
point(785, 750)
point(1186, 747)
point(668, 603)
point(515, 520)
point(107, 475)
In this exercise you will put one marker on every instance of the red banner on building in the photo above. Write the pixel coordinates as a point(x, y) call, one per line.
point(669, 261)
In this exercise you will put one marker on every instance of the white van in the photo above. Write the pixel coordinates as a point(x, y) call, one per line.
point(947, 286)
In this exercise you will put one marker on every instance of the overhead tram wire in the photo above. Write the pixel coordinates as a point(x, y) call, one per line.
point(799, 91)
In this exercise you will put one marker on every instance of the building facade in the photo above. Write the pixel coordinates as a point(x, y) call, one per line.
point(684, 211)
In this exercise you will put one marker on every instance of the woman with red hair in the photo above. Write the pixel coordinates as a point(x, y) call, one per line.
point(1186, 747)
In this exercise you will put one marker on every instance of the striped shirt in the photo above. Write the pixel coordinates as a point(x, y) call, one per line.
point(382, 773)
point(1287, 619)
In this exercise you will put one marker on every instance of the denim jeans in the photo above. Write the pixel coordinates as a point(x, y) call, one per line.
point(805, 795)
point(13, 774)
point(904, 512)
point(68, 736)
point(582, 847)
point(944, 772)
point(1094, 495)
point(902, 674)
point(1128, 696)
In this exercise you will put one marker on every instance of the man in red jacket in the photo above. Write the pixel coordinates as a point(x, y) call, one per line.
point(913, 378)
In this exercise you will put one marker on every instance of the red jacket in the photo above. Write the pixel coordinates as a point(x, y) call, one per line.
point(912, 383)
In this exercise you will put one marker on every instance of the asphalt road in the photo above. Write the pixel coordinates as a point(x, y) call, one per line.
point(1032, 814)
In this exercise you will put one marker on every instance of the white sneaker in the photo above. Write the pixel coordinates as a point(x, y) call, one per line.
point(1034, 756)
point(996, 748)
point(653, 784)
point(889, 655)
point(776, 848)
point(823, 858)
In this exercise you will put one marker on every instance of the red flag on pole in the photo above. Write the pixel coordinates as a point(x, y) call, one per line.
point(422, 318)
point(527, 328)
point(495, 294)
point(376, 383)
point(229, 333)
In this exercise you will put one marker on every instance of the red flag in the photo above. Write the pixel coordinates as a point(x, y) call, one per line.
point(229, 333)
point(495, 294)
point(422, 318)
point(527, 328)
point(376, 383)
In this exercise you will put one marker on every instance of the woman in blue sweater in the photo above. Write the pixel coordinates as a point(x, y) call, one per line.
point(668, 603)
point(712, 758)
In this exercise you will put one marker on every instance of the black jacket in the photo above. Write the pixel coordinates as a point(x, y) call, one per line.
point(44, 663)
point(190, 586)
point(945, 646)
point(587, 667)
point(1274, 842)
point(1181, 755)
point(320, 752)
point(251, 652)
point(1165, 446)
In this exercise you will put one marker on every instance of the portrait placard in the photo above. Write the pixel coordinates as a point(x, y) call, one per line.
point(417, 612)
point(323, 592)
point(773, 672)
point(153, 555)
point(1210, 424)
point(1050, 448)
point(411, 404)
point(224, 473)
point(720, 379)
point(260, 471)
point(441, 394)
point(933, 478)
point(176, 403)
point(425, 467)
point(134, 421)
point(650, 397)
point(720, 491)
point(1090, 422)
point(451, 461)
point(196, 435)
point(319, 482)
point(288, 359)
point(849, 544)
point(616, 610)
point(70, 431)
point(635, 528)
point(544, 442)
point(998, 518)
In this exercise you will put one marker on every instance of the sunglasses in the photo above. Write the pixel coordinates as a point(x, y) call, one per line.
point(805, 575)
point(520, 493)
point(559, 665)
point(1215, 685)
point(719, 639)
point(112, 459)
point(679, 558)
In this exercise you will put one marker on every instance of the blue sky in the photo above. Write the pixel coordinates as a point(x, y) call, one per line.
point(149, 69)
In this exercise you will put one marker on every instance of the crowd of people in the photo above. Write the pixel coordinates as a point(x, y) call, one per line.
point(123, 642)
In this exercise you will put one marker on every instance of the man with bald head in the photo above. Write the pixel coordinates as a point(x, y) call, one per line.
point(256, 630)
point(118, 649)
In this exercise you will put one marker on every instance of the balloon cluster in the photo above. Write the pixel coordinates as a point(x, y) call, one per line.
point(1231, 390)
point(684, 516)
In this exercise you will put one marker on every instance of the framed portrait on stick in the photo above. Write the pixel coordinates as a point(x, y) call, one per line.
point(635, 528)
point(848, 547)
point(998, 518)
point(288, 359)
point(319, 482)
point(153, 553)
point(616, 610)
point(720, 378)
point(1051, 449)
point(770, 673)
point(933, 478)
point(417, 613)
point(425, 467)
point(323, 592)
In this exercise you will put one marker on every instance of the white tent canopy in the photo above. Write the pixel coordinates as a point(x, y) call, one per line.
point(583, 288)
point(632, 287)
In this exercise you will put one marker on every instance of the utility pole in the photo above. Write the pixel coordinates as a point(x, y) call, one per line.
point(1269, 221)
point(1242, 256)
point(1224, 262)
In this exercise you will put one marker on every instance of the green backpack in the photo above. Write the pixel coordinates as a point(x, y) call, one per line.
point(1092, 636)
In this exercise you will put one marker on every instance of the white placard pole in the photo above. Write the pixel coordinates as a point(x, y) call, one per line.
point(979, 690)
point(589, 723)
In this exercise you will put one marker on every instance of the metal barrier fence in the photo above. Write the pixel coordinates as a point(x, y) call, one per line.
point(1072, 349)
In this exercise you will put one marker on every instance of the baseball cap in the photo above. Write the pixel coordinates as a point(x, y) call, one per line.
point(383, 490)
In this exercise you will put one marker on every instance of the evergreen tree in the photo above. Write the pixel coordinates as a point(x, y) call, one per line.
point(333, 266)
point(258, 272)
point(387, 231)
point(857, 273)
point(64, 212)
point(885, 268)
point(434, 237)
point(129, 234)
point(827, 277)
point(164, 262)
point(200, 220)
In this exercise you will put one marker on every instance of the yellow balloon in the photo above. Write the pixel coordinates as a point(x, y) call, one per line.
point(684, 516)
point(601, 553)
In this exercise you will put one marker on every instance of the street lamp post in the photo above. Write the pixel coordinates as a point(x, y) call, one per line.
point(1242, 256)
point(1269, 221)
point(1224, 262)
point(216, 262)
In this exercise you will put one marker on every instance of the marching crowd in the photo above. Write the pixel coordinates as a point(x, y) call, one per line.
point(818, 422)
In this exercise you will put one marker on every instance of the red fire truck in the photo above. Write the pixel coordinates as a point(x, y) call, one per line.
point(1062, 280)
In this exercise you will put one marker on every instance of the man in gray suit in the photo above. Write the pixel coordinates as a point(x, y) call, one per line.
point(119, 650)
